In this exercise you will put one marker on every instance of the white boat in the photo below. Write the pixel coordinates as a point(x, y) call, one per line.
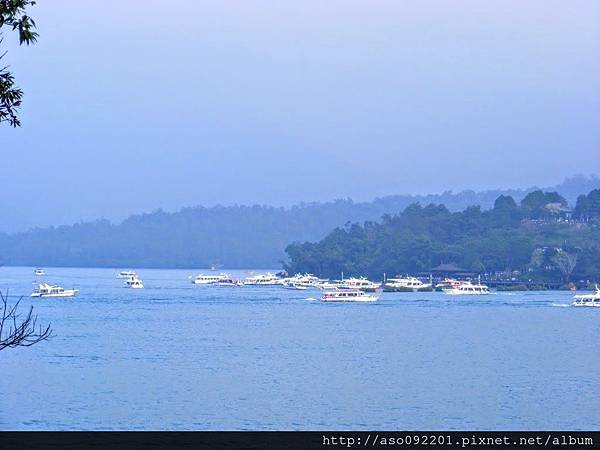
point(209, 279)
point(350, 295)
point(588, 299)
point(126, 274)
point(448, 283)
point(134, 283)
point(408, 284)
point(46, 290)
point(467, 288)
point(360, 283)
point(263, 279)
point(302, 281)
point(39, 272)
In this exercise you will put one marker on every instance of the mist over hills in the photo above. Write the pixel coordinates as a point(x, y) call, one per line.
point(233, 236)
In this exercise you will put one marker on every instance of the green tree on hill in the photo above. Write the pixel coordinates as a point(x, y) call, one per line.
point(588, 206)
point(506, 211)
point(533, 206)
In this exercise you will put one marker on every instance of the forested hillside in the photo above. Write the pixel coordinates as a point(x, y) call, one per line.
point(540, 238)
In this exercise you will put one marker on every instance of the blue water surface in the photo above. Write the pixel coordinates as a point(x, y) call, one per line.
point(175, 356)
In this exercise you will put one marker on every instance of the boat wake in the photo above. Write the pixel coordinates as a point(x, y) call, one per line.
point(560, 305)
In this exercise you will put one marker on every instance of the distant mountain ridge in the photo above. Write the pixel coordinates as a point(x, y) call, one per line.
point(234, 236)
point(570, 189)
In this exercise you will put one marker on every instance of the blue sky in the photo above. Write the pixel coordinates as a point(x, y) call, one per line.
point(135, 105)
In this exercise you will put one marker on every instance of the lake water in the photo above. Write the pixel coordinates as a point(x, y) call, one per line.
point(179, 356)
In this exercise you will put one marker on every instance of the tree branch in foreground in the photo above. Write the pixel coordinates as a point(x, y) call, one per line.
point(17, 332)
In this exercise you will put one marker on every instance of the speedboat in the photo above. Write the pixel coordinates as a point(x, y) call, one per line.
point(126, 274)
point(350, 295)
point(209, 279)
point(46, 290)
point(263, 279)
point(134, 283)
point(39, 272)
point(588, 299)
point(467, 288)
point(409, 284)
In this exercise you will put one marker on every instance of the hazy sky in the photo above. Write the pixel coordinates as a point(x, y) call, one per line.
point(135, 105)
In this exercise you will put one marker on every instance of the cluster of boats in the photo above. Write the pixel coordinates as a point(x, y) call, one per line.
point(50, 290)
point(299, 281)
point(363, 290)
point(344, 290)
point(449, 286)
point(349, 289)
point(132, 280)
